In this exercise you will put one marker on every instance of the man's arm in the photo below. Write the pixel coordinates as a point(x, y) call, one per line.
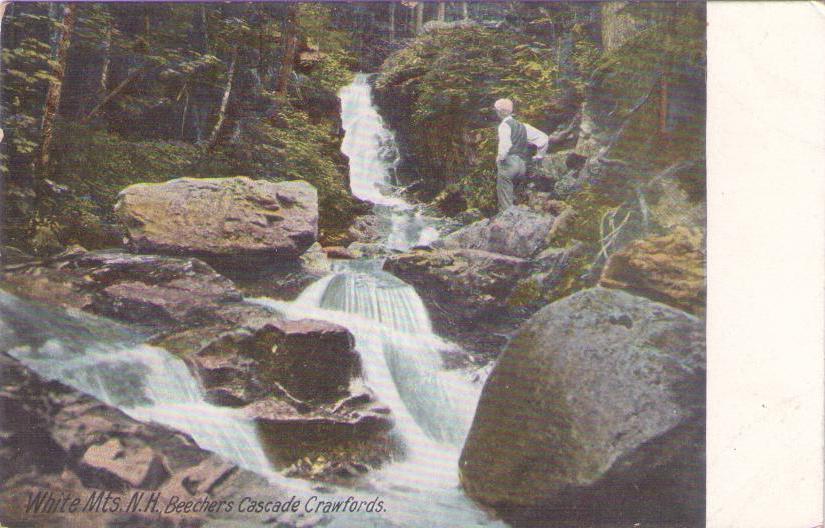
point(504, 141)
point(539, 139)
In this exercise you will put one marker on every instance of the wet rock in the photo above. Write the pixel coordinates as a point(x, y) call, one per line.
point(113, 465)
point(466, 291)
point(599, 399)
point(368, 228)
point(147, 289)
point(237, 221)
point(369, 250)
point(299, 380)
point(282, 280)
point(280, 421)
point(668, 268)
point(338, 252)
point(517, 232)
point(60, 441)
point(312, 360)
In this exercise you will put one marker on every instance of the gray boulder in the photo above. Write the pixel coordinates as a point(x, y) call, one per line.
point(598, 400)
point(466, 291)
point(517, 232)
point(223, 220)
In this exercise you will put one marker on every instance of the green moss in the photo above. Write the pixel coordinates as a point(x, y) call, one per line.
point(450, 79)
point(95, 165)
point(526, 293)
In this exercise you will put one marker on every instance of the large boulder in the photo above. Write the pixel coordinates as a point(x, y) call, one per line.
point(300, 381)
point(517, 232)
point(147, 289)
point(229, 221)
point(668, 268)
point(312, 360)
point(466, 291)
point(598, 400)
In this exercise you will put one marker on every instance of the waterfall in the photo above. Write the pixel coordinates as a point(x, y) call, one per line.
point(113, 364)
point(402, 357)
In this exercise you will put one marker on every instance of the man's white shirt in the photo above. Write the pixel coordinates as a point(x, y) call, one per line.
point(534, 137)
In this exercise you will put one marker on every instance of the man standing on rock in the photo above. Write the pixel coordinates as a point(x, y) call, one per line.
point(514, 140)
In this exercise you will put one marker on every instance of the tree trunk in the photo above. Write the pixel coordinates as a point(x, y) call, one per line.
point(465, 10)
point(392, 21)
point(663, 105)
point(419, 17)
point(200, 30)
point(55, 14)
point(617, 26)
point(129, 78)
point(230, 76)
point(106, 47)
point(290, 45)
point(442, 11)
point(55, 87)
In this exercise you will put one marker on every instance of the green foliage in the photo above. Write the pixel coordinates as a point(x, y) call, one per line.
point(334, 66)
point(669, 52)
point(451, 78)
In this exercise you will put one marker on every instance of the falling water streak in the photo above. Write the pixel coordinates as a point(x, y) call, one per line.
point(146, 382)
point(401, 355)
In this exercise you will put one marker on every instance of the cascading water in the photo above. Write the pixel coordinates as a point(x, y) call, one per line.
point(400, 353)
point(402, 357)
point(373, 157)
point(111, 363)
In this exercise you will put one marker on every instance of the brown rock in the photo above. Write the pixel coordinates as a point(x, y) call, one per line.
point(223, 220)
point(466, 291)
point(338, 252)
point(60, 441)
point(112, 465)
point(146, 289)
point(669, 269)
point(312, 360)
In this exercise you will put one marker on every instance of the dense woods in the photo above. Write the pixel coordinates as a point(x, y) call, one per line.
point(97, 96)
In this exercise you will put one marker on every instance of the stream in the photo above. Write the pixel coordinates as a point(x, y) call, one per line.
point(401, 356)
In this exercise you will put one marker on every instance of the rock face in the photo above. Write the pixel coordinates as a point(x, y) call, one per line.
point(283, 280)
point(517, 232)
point(223, 220)
point(598, 400)
point(669, 269)
point(300, 381)
point(312, 360)
point(57, 440)
point(467, 291)
point(146, 289)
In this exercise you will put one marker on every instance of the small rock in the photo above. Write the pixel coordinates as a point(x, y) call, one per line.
point(338, 252)
point(517, 232)
point(114, 466)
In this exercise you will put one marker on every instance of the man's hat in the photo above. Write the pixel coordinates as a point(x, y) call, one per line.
point(504, 105)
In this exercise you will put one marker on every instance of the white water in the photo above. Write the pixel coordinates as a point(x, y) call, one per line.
point(402, 357)
point(109, 362)
point(373, 158)
point(400, 353)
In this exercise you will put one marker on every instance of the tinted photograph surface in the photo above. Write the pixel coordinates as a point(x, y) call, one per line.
point(352, 264)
